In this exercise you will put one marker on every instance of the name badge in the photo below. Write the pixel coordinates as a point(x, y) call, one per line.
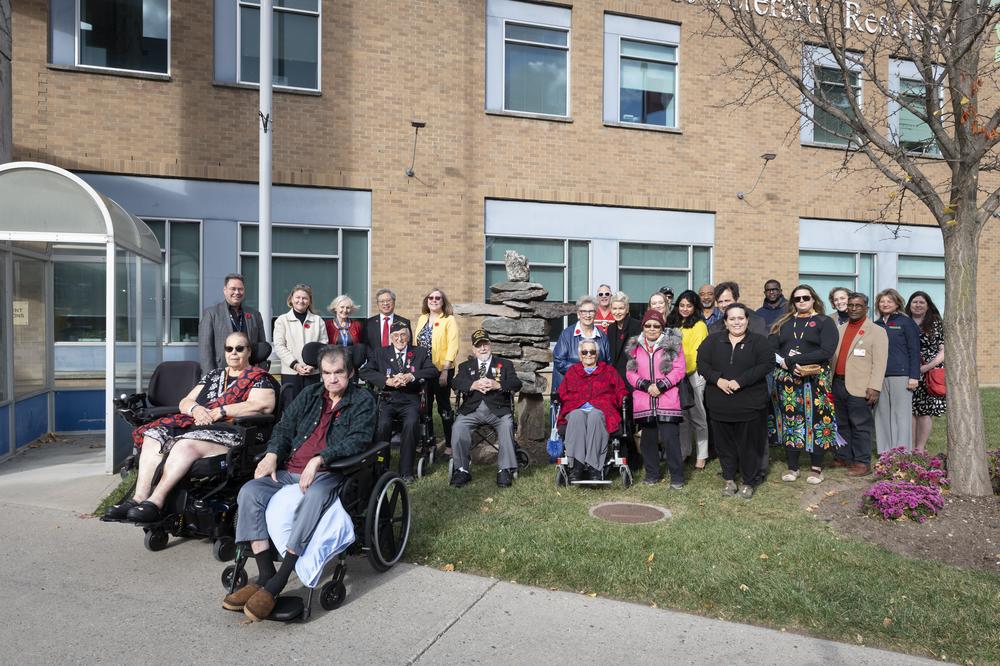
point(859, 352)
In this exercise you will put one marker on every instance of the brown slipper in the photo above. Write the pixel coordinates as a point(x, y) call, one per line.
point(259, 606)
point(238, 599)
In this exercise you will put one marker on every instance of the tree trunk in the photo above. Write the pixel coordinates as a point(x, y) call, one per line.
point(967, 471)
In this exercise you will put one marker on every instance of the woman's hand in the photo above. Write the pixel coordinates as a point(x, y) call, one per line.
point(303, 368)
point(653, 390)
point(911, 384)
point(268, 466)
point(202, 416)
point(727, 386)
point(443, 378)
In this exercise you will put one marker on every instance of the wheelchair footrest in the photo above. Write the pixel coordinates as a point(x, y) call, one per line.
point(592, 482)
point(287, 608)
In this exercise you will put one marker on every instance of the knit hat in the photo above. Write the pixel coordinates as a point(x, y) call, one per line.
point(654, 315)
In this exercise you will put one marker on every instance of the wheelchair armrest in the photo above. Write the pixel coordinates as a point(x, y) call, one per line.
point(134, 401)
point(344, 464)
point(252, 420)
point(153, 413)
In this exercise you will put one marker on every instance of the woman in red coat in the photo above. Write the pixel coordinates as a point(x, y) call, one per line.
point(591, 395)
point(342, 330)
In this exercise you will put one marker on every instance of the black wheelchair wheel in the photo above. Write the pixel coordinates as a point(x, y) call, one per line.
point(522, 459)
point(156, 539)
point(227, 577)
point(387, 522)
point(626, 475)
point(224, 549)
point(420, 468)
point(332, 595)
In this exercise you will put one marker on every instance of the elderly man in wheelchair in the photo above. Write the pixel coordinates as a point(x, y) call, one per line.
point(197, 431)
point(327, 422)
point(485, 384)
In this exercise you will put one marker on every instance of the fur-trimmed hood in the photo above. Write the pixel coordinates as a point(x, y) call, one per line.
point(669, 343)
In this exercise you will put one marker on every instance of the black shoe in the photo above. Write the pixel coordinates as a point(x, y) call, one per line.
point(119, 511)
point(504, 478)
point(409, 480)
point(460, 478)
point(596, 474)
point(144, 512)
point(577, 472)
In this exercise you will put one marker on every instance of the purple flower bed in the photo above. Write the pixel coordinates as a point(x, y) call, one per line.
point(915, 466)
point(897, 499)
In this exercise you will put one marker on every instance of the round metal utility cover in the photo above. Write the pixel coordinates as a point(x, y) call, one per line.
point(629, 512)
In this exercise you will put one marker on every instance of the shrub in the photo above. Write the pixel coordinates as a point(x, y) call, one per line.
point(895, 499)
point(993, 461)
point(914, 466)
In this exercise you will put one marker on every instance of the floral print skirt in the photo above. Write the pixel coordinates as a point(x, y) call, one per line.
point(803, 415)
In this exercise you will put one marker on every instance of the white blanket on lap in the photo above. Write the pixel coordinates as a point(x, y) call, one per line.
point(334, 533)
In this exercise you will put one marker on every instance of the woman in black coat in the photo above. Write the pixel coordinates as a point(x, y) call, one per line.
point(735, 363)
point(623, 329)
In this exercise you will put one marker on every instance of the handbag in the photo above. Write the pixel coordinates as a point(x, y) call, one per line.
point(934, 381)
point(810, 369)
point(686, 392)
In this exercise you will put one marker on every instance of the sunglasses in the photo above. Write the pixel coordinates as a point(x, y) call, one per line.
point(588, 352)
point(434, 298)
point(239, 349)
point(604, 293)
point(802, 299)
point(651, 325)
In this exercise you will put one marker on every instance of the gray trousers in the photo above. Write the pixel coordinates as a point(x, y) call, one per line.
point(251, 523)
point(695, 422)
point(894, 415)
point(586, 437)
point(461, 437)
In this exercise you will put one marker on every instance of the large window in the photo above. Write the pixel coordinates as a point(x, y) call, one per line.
point(536, 61)
point(648, 83)
point(916, 273)
point(645, 267)
point(79, 298)
point(837, 88)
point(908, 108)
point(131, 35)
point(825, 270)
point(296, 43)
point(180, 244)
point(562, 266)
point(30, 328)
point(332, 261)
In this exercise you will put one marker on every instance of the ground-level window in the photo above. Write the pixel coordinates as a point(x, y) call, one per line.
point(825, 270)
point(4, 309)
point(78, 299)
point(131, 35)
point(180, 245)
point(916, 273)
point(331, 260)
point(644, 268)
point(296, 38)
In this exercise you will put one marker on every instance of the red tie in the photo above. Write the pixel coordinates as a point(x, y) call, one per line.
point(385, 331)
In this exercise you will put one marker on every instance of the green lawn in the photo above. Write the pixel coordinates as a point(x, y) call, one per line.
point(765, 562)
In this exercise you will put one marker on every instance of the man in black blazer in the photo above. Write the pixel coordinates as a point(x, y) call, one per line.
point(488, 383)
point(400, 372)
point(375, 332)
point(223, 319)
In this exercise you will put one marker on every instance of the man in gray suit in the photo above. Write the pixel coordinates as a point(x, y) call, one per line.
point(225, 318)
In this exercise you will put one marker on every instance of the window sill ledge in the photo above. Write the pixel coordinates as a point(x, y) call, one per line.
point(148, 76)
point(277, 89)
point(532, 116)
point(828, 146)
point(644, 128)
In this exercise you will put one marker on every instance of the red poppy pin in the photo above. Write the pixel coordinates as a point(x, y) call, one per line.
point(437, 323)
point(811, 324)
point(248, 316)
point(861, 332)
point(305, 325)
point(409, 354)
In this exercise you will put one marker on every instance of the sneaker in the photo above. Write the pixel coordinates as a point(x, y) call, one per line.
point(790, 475)
point(746, 492)
point(815, 476)
point(460, 477)
point(409, 480)
point(650, 482)
point(730, 489)
point(676, 485)
point(504, 478)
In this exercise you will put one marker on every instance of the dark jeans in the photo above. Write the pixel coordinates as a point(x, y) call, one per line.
point(815, 458)
point(855, 422)
point(739, 446)
point(442, 395)
point(667, 434)
point(408, 411)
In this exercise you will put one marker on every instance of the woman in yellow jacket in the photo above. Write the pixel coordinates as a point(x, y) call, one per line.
point(688, 317)
point(437, 332)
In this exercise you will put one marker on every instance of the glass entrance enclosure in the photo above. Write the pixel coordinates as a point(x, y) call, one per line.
point(81, 296)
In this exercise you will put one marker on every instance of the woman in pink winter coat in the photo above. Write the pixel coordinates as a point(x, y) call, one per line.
point(655, 368)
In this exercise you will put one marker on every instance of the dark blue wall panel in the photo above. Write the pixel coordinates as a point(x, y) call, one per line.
point(79, 410)
point(31, 419)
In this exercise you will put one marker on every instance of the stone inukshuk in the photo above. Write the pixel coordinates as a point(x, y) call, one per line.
point(515, 318)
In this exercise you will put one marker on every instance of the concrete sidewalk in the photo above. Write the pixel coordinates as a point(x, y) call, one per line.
point(73, 589)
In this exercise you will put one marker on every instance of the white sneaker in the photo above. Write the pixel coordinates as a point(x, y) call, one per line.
point(790, 475)
point(815, 478)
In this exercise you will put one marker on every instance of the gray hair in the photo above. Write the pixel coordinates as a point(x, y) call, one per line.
point(585, 342)
point(340, 300)
point(586, 299)
point(385, 290)
point(620, 297)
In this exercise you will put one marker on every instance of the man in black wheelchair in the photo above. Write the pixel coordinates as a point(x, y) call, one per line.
point(197, 430)
point(486, 384)
point(400, 373)
point(327, 422)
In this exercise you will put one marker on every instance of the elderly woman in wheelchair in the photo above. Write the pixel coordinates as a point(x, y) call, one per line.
point(238, 389)
point(328, 422)
point(590, 395)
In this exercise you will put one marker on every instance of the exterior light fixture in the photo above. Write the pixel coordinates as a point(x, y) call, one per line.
point(416, 124)
point(767, 157)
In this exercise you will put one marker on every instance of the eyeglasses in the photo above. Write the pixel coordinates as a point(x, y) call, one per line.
point(588, 352)
point(586, 313)
point(385, 301)
point(239, 349)
point(604, 293)
point(435, 298)
point(802, 299)
point(651, 324)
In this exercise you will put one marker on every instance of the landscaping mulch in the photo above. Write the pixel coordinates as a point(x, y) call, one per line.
point(965, 534)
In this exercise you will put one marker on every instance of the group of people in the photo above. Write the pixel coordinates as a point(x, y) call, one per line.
point(709, 373)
